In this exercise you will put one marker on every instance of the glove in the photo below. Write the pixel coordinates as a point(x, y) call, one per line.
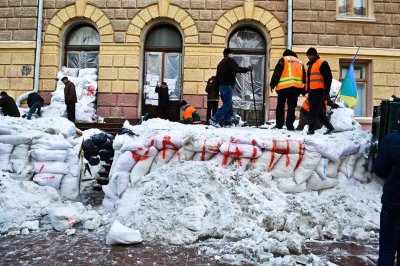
point(250, 68)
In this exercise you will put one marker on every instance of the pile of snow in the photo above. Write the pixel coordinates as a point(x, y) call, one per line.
point(42, 150)
point(261, 191)
point(85, 81)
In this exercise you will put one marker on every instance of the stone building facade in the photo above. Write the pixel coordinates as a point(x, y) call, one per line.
point(206, 27)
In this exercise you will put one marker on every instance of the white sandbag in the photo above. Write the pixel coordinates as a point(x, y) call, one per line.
point(140, 149)
point(87, 71)
point(287, 185)
point(66, 71)
point(285, 166)
point(348, 163)
point(15, 139)
point(110, 191)
point(6, 148)
point(46, 179)
point(284, 146)
point(342, 119)
point(168, 142)
point(315, 182)
point(327, 168)
point(120, 234)
point(141, 168)
point(332, 151)
point(182, 155)
point(240, 150)
point(50, 167)
point(222, 160)
point(43, 155)
point(203, 156)
point(125, 162)
point(69, 188)
point(108, 204)
point(75, 167)
point(20, 152)
point(122, 182)
point(306, 166)
point(55, 142)
point(162, 158)
point(7, 130)
point(5, 162)
point(266, 161)
point(360, 170)
point(62, 218)
point(192, 143)
point(249, 140)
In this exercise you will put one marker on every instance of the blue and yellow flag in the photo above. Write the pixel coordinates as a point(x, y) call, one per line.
point(348, 91)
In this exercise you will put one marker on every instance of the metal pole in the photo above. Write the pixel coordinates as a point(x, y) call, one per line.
point(254, 98)
point(290, 24)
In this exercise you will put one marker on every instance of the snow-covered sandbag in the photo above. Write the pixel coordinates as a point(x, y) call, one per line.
point(47, 179)
point(122, 182)
point(222, 160)
point(330, 151)
point(120, 234)
point(5, 162)
point(249, 140)
point(6, 148)
point(203, 156)
point(66, 71)
point(327, 168)
point(306, 166)
point(7, 130)
point(348, 163)
point(15, 139)
point(140, 149)
point(87, 71)
point(51, 167)
point(43, 155)
point(69, 188)
point(284, 146)
point(55, 142)
point(75, 167)
point(192, 217)
point(285, 166)
point(182, 155)
point(108, 203)
point(168, 142)
point(360, 170)
point(287, 185)
point(240, 150)
point(162, 158)
point(141, 168)
point(241, 163)
point(110, 190)
point(63, 218)
point(20, 152)
point(342, 119)
point(315, 182)
point(266, 161)
point(125, 162)
point(193, 143)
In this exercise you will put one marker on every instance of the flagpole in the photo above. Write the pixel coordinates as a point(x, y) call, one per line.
point(352, 62)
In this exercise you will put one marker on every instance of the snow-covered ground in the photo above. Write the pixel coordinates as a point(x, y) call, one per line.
point(186, 193)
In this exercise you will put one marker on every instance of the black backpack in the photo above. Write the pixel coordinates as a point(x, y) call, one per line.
point(212, 84)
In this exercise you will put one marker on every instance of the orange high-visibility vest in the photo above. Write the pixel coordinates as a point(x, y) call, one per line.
point(306, 105)
point(316, 79)
point(292, 75)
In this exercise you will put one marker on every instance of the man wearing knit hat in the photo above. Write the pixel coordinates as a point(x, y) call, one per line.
point(288, 81)
point(387, 166)
point(318, 84)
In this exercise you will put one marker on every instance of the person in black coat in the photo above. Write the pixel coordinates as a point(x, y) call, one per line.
point(387, 165)
point(8, 106)
point(163, 99)
point(35, 102)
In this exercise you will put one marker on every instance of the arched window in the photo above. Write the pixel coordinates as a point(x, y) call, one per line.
point(162, 62)
point(249, 47)
point(82, 47)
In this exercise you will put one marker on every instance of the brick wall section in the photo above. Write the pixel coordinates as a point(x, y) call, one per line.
point(18, 20)
point(315, 23)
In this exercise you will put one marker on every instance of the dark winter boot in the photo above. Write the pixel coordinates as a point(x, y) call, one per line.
point(330, 129)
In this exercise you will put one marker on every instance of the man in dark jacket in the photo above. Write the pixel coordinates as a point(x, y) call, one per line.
point(212, 97)
point(163, 99)
point(288, 81)
point(8, 106)
point(387, 165)
point(35, 102)
point(318, 85)
point(226, 78)
point(69, 98)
